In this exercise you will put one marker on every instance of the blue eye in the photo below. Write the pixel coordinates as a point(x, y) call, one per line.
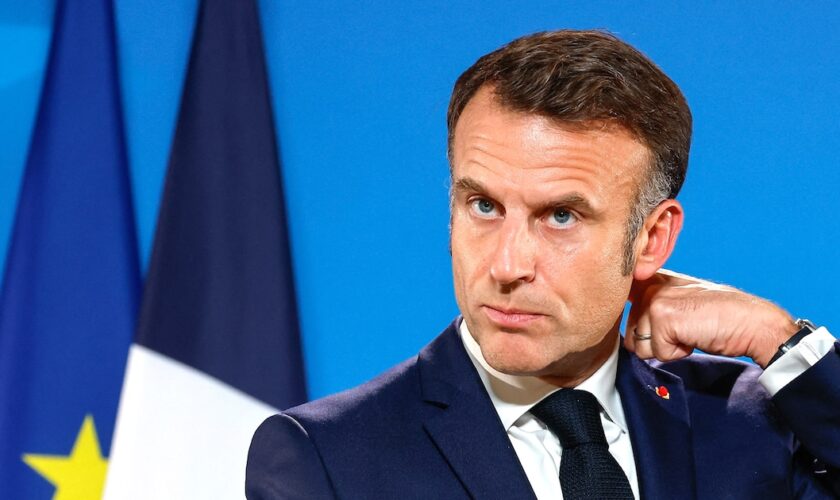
point(483, 207)
point(562, 218)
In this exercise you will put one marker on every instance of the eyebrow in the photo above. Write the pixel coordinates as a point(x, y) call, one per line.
point(573, 200)
point(468, 184)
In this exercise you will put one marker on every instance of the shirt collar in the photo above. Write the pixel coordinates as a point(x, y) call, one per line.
point(514, 395)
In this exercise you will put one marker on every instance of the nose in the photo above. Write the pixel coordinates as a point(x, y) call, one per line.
point(514, 259)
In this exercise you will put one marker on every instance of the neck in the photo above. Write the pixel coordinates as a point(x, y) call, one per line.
point(577, 367)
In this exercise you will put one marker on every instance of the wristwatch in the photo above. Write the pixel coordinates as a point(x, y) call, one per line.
point(805, 327)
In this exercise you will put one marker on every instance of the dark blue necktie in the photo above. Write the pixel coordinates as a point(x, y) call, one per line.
point(587, 469)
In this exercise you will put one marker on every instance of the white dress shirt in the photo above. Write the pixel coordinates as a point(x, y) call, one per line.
point(539, 450)
point(812, 348)
point(536, 446)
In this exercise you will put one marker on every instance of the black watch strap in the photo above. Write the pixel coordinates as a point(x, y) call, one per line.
point(805, 328)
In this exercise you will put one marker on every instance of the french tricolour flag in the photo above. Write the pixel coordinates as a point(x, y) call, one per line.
point(217, 347)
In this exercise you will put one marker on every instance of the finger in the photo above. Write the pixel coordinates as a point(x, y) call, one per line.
point(629, 328)
point(642, 337)
point(665, 347)
point(676, 279)
point(662, 278)
point(640, 288)
point(638, 308)
point(629, 341)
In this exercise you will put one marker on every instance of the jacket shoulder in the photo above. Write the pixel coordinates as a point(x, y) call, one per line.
point(283, 463)
point(393, 398)
point(378, 400)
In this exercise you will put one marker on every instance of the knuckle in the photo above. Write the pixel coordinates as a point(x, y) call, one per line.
point(661, 308)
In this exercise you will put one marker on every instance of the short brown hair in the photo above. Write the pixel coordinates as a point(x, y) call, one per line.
point(580, 77)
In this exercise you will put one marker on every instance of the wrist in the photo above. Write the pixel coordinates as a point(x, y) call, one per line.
point(805, 328)
point(777, 330)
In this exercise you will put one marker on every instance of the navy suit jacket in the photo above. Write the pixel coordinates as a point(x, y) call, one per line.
point(427, 429)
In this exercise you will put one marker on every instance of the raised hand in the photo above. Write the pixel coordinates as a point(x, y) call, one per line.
point(672, 314)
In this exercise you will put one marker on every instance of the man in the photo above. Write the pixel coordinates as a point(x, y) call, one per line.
point(567, 150)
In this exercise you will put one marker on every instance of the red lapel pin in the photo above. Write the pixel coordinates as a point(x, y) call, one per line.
point(662, 392)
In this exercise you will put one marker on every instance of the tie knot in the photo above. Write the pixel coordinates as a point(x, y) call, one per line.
point(573, 415)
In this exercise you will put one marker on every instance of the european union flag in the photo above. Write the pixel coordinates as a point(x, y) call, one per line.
point(217, 347)
point(69, 296)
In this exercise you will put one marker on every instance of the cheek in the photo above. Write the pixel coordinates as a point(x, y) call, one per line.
point(466, 260)
point(458, 275)
point(588, 273)
point(611, 285)
point(604, 251)
point(470, 247)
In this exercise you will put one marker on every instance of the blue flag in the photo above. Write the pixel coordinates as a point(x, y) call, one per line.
point(217, 346)
point(71, 284)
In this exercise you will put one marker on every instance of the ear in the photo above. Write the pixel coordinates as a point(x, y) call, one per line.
point(657, 238)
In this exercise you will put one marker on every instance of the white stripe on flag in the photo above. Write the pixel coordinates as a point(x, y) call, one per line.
point(180, 433)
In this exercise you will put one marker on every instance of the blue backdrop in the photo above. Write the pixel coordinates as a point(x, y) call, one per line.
point(360, 92)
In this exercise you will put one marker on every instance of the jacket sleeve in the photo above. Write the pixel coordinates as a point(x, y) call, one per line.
point(283, 463)
point(810, 404)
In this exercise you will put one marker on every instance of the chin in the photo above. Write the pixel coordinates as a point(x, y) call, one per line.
point(520, 369)
point(517, 355)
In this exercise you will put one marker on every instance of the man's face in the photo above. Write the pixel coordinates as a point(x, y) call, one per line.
point(539, 215)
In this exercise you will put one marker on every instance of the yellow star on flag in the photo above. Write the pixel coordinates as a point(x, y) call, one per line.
point(78, 476)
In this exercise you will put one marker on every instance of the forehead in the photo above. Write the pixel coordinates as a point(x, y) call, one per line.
point(530, 151)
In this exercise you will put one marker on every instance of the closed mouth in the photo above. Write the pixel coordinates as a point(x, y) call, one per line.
point(510, 317)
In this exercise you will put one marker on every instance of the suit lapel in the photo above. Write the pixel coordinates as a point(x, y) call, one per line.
point(660, 429)
point(462, 422)
point(464, 425)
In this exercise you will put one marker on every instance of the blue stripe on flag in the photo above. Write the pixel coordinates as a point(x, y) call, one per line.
point(71, 284)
